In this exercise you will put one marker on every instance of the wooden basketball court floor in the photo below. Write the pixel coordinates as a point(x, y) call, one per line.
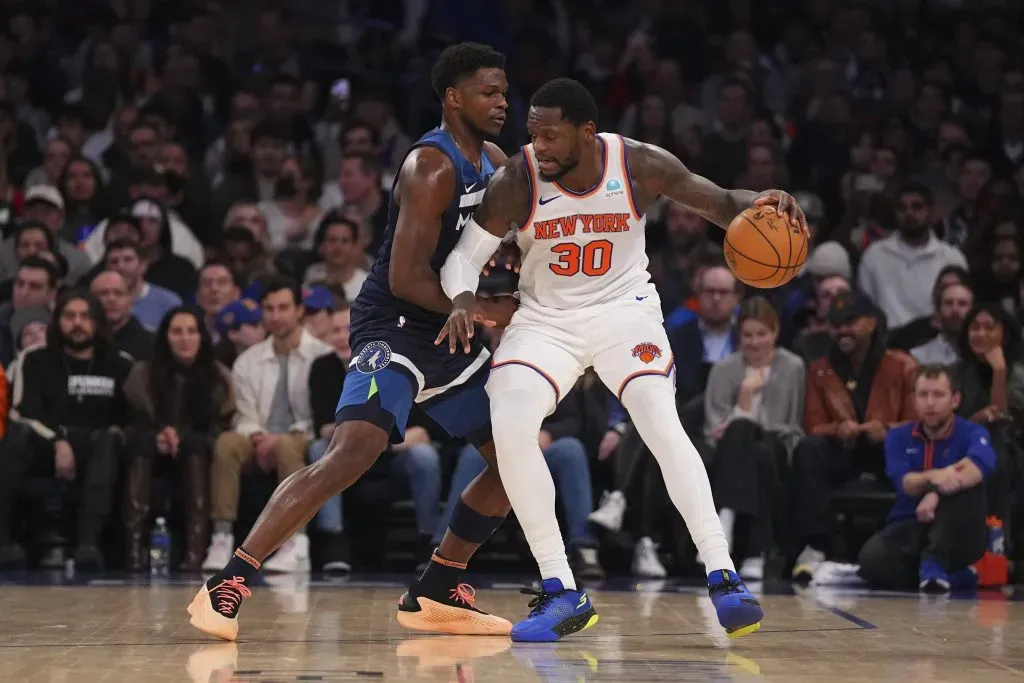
point(99, 630)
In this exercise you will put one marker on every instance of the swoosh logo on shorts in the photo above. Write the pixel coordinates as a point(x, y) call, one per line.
point(641, 298)
point(547, 200)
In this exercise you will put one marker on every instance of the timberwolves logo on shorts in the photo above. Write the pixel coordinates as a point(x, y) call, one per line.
point(374, 356)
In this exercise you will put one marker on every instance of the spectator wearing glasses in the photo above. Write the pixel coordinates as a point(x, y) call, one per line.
point(712, 336)
point(130, 337)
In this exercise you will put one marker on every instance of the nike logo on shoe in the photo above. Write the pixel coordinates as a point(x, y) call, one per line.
point(547, 200)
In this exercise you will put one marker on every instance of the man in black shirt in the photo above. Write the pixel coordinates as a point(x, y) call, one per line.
point(69, 402)
point(129, 336)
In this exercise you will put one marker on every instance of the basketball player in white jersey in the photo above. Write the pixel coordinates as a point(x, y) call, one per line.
point(577, 201)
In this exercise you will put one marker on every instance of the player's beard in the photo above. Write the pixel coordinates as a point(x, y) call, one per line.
point(564, 168)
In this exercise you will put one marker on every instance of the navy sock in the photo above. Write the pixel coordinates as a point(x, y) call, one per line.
point(470, 525)
point(440, 577)
point(242, 564)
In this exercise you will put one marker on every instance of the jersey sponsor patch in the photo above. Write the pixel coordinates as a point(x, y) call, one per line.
point(375, 356)
point(646, 352)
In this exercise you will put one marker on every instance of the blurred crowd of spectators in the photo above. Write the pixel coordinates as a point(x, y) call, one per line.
point(191, 193)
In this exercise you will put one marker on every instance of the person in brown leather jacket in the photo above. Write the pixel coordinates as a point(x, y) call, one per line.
point(853, 396)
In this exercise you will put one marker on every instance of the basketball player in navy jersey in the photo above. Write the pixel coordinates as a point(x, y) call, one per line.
point(397, 366)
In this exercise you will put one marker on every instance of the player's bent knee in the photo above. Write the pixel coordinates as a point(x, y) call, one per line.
point(354, 448)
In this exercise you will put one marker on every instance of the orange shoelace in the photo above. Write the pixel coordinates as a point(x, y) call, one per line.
point(465, 594)
point(229, 594)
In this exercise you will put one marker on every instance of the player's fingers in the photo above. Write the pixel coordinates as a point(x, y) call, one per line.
point(784, 204)
point(443, 333)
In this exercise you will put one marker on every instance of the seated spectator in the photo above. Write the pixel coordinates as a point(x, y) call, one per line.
point(31, 238)
point(566, 456)
point(273, 424)
point(69, 397)
point(179, 402)
point(247, 255)
point(753, 408)
point(854, 395)
point(674, 267)
point(814, 337)
point(337, 243)
point(81, 184)
point(240, 325)
point(254, 182)
point(293, 213)
point(326, 378)
point(318, 304)
point(899, 271)
point(1000, 273)
point(991, 378)
point(122, 227)
point(922, 330)
point(710, 337)
point(35, 286)
point(936, 530)
point(130, 337)
point(796, 302)
point(149, 302)
point(218, 286)
point(365, 199)
point(954, 303)
point(44, 205)
point(164, 268)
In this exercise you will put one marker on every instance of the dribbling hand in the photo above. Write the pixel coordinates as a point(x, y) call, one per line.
point(785, 204)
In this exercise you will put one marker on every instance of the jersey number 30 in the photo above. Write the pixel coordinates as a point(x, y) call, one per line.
point(593, 258)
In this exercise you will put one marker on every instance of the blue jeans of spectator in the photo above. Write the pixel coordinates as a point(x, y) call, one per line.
point(567, 460)
point(418, 467)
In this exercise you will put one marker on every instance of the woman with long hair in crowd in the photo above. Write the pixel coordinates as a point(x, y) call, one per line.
point(180, 402)
point(753, 411)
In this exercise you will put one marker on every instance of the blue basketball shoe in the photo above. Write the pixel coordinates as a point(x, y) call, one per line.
point(739, 612)
point(557, 612)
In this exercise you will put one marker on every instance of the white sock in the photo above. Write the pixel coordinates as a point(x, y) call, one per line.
point(651, 403)
point(728, 520)
point(516, 416)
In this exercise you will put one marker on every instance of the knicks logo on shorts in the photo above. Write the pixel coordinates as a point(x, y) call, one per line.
point(646, 352)
point(374, 356)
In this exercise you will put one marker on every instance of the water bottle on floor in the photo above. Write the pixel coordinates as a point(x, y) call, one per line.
point(159, 548)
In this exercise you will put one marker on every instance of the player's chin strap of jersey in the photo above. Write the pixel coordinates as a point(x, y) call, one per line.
point(461, 270)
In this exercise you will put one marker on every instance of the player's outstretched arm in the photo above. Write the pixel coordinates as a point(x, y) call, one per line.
point(426, 185)
point(506, 204)
point(659, 172)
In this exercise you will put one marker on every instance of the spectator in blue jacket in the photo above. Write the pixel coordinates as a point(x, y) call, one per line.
point(936, 530)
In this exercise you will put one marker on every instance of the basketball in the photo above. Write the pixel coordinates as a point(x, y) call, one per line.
point(763, 249)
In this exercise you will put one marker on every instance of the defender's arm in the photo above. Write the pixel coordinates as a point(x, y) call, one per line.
point(426, 184)
point(506, 203)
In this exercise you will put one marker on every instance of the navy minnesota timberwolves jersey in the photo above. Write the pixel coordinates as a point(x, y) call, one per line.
point(375, 298)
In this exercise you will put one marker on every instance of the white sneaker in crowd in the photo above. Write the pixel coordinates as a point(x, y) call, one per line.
point(222, 547)
point(645, 560)
point(752, 569)
point(807, 563)
point(609, 513)
point(291, 557)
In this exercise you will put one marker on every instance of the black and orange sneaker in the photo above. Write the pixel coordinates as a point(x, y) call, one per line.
point(455, 613)
point(214, 609)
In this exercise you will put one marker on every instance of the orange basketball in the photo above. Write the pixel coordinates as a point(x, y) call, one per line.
point(763, 249)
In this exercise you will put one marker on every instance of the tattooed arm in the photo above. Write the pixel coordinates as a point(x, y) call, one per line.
point(659, 172)
point(506, 204)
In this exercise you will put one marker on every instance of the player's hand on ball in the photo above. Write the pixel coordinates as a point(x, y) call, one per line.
point(458, 330)
point(785, 204)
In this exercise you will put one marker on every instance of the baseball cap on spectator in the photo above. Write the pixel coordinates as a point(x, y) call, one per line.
point(828, 260)
point(23, 317)
point(236, 314)
point(848, 306)
point(146, 208)
point(318, 298)
point(47, 194)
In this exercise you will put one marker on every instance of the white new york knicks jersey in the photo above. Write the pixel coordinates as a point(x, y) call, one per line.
point(583, 249)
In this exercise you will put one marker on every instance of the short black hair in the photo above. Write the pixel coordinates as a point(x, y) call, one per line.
point(39, 263)
point(123, 244)
point(334, 218)
point(570, 96)
point(459, 62)
point(125, 217)
point(25, 226)
point(277, 283)
point(357, 124)
point(919, 189)
point(236, 279)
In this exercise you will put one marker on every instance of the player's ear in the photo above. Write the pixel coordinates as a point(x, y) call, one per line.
point(589, 131)
point(452, 97)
